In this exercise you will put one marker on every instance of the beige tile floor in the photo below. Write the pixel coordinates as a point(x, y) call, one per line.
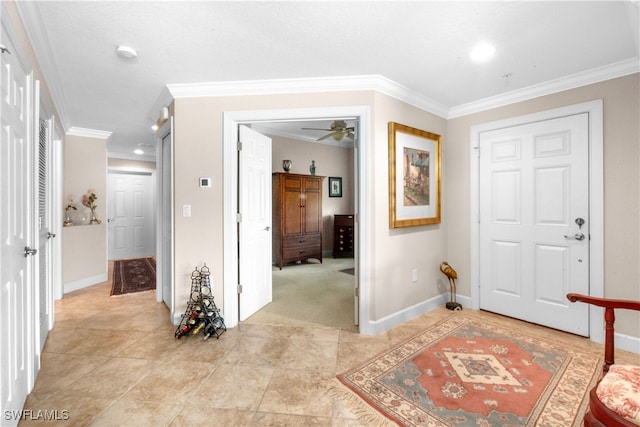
point(115, 362)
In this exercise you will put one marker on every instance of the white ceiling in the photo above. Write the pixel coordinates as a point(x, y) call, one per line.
point(421, 46)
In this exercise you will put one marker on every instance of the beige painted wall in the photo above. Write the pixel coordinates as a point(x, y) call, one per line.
point(394, 253)
point(84, 247)
point(330, 161)
point(621, 184)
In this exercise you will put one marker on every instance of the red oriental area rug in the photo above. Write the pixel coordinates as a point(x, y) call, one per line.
point(133, 275)
point(461, 372)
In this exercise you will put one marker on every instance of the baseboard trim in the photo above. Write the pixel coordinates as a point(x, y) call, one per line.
point(627, 343)
point(83, 283)
point(395, 319)
point(622, 342)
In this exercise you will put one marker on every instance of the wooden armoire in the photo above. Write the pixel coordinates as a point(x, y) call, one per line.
point(297, 217)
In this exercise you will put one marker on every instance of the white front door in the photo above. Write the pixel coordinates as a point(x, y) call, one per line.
point(534, 221)
point(254, 228)
point(17, 290)
point(131, 216)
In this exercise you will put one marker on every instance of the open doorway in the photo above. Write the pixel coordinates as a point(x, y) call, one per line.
point(232, 264)
point(314, 291)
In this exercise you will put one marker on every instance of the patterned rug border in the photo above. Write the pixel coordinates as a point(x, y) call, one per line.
point(560, 381)
point(118, 276)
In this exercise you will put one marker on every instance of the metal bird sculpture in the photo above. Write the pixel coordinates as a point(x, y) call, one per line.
point(451, 274)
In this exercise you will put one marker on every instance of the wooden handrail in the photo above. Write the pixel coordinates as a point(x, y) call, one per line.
point(605, 302)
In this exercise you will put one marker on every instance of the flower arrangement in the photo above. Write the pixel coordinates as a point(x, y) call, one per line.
point(71, 205)
point(89, 199)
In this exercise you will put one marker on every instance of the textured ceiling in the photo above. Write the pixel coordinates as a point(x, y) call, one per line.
point(422, 46)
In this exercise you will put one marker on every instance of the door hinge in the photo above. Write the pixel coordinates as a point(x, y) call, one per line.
point(239, 288)
point(477, 151)
point(356, 292)
point(239, 148)
point(238, 217)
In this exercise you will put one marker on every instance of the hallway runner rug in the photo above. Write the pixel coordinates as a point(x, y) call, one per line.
point(462, 372)
point(133, 275)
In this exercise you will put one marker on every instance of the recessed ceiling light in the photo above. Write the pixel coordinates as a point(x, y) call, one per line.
point(482, 52)
point(138, 151)
point(126, 52)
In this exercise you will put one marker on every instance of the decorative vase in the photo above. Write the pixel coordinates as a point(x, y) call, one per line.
point(80, 216)
point(67, 221)
point(94, 220)
point(286, 165)
point(312, 167)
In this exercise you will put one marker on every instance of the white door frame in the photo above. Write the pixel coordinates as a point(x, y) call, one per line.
point(231, 120)
point(164, 196)
point(153, 203)
point(596, 200)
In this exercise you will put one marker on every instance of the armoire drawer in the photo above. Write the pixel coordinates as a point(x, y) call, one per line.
point(299, 241)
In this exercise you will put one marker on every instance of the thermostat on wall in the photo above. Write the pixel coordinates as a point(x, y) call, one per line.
point(205, 182)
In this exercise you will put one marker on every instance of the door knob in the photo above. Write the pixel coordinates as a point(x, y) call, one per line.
point(110, 220)
point(28, 251)
point(50, 235)
point(577, 236)
point(267, 228)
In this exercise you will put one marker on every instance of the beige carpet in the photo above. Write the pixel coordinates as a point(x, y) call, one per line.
point(311, 294)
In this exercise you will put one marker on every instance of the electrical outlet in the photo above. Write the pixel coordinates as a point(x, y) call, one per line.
point(414, 275)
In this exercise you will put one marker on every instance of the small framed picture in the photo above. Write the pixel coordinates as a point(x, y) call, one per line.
point(335, 186)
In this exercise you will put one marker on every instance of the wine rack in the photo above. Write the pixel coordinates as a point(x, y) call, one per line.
point(202, 315)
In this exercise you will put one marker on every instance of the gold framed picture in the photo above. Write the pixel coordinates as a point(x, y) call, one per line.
point(414, 176)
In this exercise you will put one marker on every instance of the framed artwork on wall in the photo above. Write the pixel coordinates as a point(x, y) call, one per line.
point(414, 176)
point(335, 186)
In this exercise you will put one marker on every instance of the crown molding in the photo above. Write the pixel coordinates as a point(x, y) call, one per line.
point(596, 75)
point(130, 156)
point(90, 133)
point(309, 85)
point(34, 29)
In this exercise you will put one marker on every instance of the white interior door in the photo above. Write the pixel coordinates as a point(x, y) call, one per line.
point(17, 325)
point(131, 216)
point(534, 221)
point(255, 226)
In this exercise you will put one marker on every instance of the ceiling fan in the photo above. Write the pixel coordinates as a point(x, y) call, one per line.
point(339, 130)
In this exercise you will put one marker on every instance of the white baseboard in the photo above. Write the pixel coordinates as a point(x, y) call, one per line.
point(622, 342)
point(83, 283)
point(176, 318)
point(395, 319)
point(627, 343)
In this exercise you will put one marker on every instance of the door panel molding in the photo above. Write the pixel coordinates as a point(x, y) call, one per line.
point(594, 109)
